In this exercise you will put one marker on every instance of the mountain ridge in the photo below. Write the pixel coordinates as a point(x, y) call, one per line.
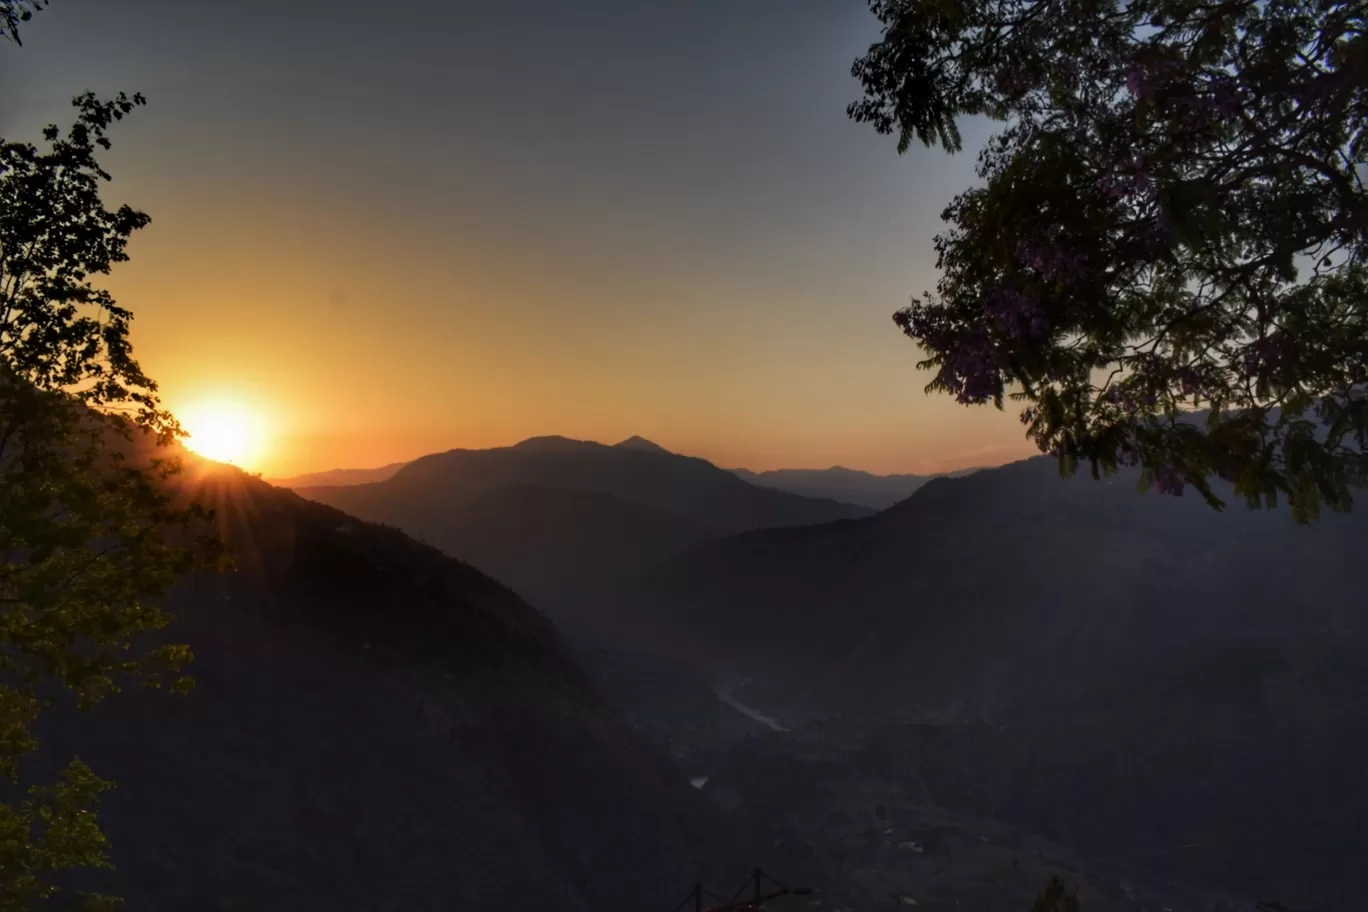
point(633, 503)
point(878, 492)
point(338, 476)
point(1066, 654)
point(377, 725)
point(636, 442)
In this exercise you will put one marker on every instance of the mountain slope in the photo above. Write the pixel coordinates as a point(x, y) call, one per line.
point(378, 726)
point(641, 443)
point(1114, 670)
point(554, 545)
point(689, 487)
point(877, 492)
point(997, 561)
point(339, 477)
point(559, 519)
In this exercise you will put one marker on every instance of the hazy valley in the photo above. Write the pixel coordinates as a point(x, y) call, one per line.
point(365, 704)
point(746, 672)
point(997, 663)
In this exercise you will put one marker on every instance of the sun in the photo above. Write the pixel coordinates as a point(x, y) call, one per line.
point(224, 431)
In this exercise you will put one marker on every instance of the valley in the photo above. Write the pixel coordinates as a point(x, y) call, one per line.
point(876, 815)
point(378, 726)
point(848, 631)
point(859, 688)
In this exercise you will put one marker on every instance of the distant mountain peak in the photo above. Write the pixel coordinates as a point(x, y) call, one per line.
point(641, 443)
point(339, 477)
point(551, 442)
point(842, 470)
point(838, 483)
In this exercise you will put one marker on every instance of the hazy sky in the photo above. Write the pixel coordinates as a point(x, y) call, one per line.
point(402, 227)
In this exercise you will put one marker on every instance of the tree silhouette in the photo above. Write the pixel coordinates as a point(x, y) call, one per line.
point(88, 534)
point(1056, 898)
point(1165, 260)
point(13, 12)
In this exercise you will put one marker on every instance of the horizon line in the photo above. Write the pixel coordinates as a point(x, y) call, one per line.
point(966, 467)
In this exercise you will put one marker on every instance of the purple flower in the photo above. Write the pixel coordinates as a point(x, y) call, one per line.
point(970, 370)
point(1142, 79)
point(1226, 101)
point(1032, 255)
point(1053, 264)
point(969, 360)
point(1018, 315)
point(1061, 373)
point(1269, 353)
point(1009, 80)
point(1156, 234)
point(1189, 382)
point(1122, 398)
point(1168, 481)
point(1142, 178)
point(1115, 186)
point(1137, 81)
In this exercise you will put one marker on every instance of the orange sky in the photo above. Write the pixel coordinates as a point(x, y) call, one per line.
point(351, 237)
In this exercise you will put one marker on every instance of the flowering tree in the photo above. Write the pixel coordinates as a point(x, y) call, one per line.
point(1165, 260)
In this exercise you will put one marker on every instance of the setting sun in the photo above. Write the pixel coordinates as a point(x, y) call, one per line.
point(224, 431)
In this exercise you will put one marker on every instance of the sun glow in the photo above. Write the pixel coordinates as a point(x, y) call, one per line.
point(224, 431)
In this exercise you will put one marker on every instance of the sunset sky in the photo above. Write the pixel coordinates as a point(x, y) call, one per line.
point(397, 228)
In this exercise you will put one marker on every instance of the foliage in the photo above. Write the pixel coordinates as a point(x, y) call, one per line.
point(13, 12)
point(51, 830)
point(1165, 259)
point(1055, 898)
point(88, 534)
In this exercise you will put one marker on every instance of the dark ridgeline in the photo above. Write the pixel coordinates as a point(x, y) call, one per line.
point(634, 470)
point(560, 547)
point(559, 520)
point(1163, 690)
point(338, 477)
point(1127, 674)
point(877, 492)
point(378, 726)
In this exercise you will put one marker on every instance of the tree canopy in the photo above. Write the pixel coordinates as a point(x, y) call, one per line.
point(1164, 260)
point(89, 537)
point(13, 12)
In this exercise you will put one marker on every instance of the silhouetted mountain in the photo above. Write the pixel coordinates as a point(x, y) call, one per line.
point(606, 511)
point(553, 544)
point(687, 486)
point(1123, 672)
point(641, 443)
point(378, 726)
point(877, 492)
point(338, 477)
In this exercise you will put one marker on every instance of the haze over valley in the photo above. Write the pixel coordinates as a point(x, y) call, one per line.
point(683, 457)
point(956, 661)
